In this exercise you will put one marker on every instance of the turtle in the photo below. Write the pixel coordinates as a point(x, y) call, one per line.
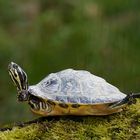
point(69, 92)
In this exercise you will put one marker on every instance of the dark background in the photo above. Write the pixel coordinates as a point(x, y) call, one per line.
point(47, 36)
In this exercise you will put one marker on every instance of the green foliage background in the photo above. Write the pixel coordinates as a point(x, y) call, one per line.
point(102, 37)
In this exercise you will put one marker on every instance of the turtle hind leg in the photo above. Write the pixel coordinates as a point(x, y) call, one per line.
point(128, 100)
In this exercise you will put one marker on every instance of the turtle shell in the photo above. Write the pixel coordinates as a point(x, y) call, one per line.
point(76, 86)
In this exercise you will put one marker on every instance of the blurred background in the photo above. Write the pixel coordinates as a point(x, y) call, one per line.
point(45, 36)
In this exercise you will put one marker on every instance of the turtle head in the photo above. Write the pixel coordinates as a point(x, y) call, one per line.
point(19, 78)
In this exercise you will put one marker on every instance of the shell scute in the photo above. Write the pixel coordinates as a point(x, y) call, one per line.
point(72, 99)
point(85, 100)
point(82, 87)
point(61, 98)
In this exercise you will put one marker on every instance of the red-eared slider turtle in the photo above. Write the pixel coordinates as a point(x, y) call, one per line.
point(69, 92)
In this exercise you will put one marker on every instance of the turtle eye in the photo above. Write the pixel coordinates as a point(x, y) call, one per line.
point(15, 66)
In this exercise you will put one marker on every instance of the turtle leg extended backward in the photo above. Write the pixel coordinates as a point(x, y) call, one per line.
point(129, 99)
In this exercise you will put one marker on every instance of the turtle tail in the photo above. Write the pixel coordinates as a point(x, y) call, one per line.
point(129, 99)
point(135, 95)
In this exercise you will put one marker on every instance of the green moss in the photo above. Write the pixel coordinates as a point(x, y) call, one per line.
point(119, 126)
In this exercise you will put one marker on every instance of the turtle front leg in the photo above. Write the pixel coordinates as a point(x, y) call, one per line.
point(34, 103)
point(40, 106)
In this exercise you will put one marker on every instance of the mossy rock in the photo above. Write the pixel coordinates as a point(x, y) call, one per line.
point(120, 126)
